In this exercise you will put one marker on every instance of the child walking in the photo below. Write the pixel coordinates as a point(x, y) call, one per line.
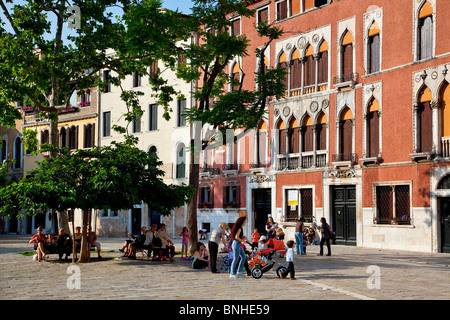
point(290, 260)
point(184, 243)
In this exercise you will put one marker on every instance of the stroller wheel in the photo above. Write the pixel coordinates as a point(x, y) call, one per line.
point(280, 271)
point(257, 273)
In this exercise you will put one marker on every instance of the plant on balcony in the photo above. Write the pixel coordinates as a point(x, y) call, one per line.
point(85, 104)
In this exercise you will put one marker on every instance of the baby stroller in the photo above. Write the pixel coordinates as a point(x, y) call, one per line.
point(260, 261)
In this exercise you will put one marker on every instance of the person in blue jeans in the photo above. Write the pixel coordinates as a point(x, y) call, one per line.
point(299, 229)
point(237, 236)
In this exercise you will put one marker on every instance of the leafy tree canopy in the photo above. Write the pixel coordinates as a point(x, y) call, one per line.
point(109, 177)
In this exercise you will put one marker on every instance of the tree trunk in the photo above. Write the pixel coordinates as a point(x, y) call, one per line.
point(194, 177)
point(63, 221)
point(74, 245)
point(191, 219)
point(54, 139)
point(84, 241)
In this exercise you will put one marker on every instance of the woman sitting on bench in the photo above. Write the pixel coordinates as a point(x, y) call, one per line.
point(39, 240)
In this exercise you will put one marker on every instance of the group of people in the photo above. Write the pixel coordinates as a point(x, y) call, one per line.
point(157, 242)
point(303, 236)
point(62, 244)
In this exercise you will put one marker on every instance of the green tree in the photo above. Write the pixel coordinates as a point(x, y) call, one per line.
point(51, 49)
point(110, 177)
point(208, 59)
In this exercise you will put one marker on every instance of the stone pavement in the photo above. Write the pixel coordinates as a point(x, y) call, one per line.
point(350, 273)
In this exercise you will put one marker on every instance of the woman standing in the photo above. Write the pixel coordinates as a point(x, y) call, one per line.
point(213, 244)
point(325, 229)
point(270, 227)
point(237, 236)
point(299, 230)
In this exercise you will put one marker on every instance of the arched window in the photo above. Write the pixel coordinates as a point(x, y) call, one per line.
point(425, 32)
point(347, 56)
point(284, 65)
point(18, 153)
point(373, 129)
point(445, 182)
point(63, 137)
point(73, 137)
point(45, 136)
point(261, 142)
point(281, 137)
point(180, 162)
point(236, 77)
point(153, 151)
point(323, 66)
point(295, 70)
point(444, 99)
point(424, 121)
point(89, 135)
point(346, 134)
point(3, 151)
point(293, 136)
point(373, 49)
point(322, 131)
point(307, 134)
point(310, 67)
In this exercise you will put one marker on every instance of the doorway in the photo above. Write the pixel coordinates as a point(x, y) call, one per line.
point(344, 214)
point(136, 221)
point(444, 209)
point(262, 199)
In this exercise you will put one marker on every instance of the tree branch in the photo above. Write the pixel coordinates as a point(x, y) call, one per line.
point(8, 16)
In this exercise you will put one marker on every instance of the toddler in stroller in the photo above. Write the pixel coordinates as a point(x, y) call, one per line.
point(260, 263)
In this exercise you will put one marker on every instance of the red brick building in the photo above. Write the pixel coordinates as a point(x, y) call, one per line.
point(362, 136)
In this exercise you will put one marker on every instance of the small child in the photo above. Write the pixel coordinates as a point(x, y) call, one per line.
point(185, 242)
point(255, 238)
point(262, 242)
point(290, 260)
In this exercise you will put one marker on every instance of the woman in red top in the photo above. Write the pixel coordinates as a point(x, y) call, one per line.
point(39, 240)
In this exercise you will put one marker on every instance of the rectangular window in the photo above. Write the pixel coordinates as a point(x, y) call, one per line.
point(136, 79)
point(108, 213)
point(137, 125)
point(153, 117)
point(106, 78)
point(263, 15)
point(292, 208)
point(282, 10)
point(181, 119)
point(107, 123)
point(205, 197)
point(393, 204)
point(236, 27)
point(153, 68)
point(231, 196)
point(306, 204)
point(181, 58)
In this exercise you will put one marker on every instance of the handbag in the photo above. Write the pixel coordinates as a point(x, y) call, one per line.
point(157, 242)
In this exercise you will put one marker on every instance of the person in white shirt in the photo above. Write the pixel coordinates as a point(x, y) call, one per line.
point(290, 260)
point(166, 242)
point(148, 244)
